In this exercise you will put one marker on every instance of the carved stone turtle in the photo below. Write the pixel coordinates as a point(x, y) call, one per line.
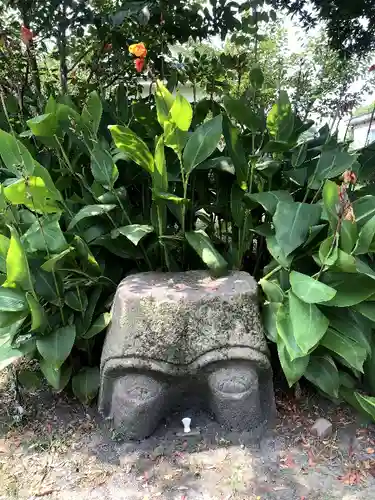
point(173, 330)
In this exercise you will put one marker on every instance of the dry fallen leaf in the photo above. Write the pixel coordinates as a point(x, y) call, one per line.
point(351, 478)
point(312, 461)
point(287, 462)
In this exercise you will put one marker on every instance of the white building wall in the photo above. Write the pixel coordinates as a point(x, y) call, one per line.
point(360, 135)
point(185, 90)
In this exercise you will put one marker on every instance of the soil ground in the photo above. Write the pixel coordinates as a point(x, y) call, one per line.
point(58, 450)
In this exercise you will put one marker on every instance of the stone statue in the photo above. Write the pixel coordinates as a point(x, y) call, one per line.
point(186, 329)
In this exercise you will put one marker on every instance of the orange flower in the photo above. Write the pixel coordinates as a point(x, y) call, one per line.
point(139, 64)
point(26, 35)
point(138, 49)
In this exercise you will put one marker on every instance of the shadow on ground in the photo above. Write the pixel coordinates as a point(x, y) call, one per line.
point(60, 450)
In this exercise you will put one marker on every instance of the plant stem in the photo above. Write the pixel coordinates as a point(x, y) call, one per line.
point(126, 215)
point(274, 271)
point(307, 192)
point(165, 250)
point(369, 125)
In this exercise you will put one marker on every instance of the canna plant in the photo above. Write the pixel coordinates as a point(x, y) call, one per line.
point(308, 214)
point(171, 187)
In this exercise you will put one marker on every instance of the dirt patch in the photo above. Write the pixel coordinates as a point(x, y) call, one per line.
point(59, 450)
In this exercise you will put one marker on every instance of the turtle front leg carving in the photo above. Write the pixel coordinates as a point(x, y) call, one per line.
point(139, 402)
point(234, 395)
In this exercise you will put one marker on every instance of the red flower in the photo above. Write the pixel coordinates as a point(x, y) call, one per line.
point(349, 177)
point(139, 64)
point(26, 35)
point(372, 68)
point(107, 47)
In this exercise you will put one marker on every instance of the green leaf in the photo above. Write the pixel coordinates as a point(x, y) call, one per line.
point(353, 353)
point(4, 247)
point(159, 175)
point(157, 195)
point(44, 235)
point(367, 403)
point(292, 222)
point(52, 192)
point(38, 316)
point(133, 146)
point(76, 300)
point(8, 353)
point(280, 120)
point(270, 199)
point(98, 326)
point(278, 253)
point(84, 326)
point(15, 155)
point(269, 316)
point(365, 238)
point(236, 152)
point(50, 264)
point(7, 318)
point(175, 138)
point(56, 347)
point(164, 102)
point(12, 300)
point(202, 143)
point(351, 288)
point(272, 290)
point(348, 235)
point(256, 77)
point(237, 206)
point(90, 211)
point(364, 209)
point(293, 369)
point(369, 371)
point(87, 258)
point(367, 309)
point(331, 203)
point(43, 125)
point(134, 232)
point(86, 383)
point(299, 155)
point(30, 380)
point(313, 233)
point(322, 372)
point(240, 111)
point(308, 322)
point(58, 378)
point(220, 163)
point(310, 290)
point(92, 112)
point(361, 267)
point(18, 272)
point(33, 193)
point(352, 325)
point(286, 332)
point(333, 162)
point(51, 106)
point(48, 286)
point(103, 167)
point(328, 251)
point(202, 244)
point(181, 113)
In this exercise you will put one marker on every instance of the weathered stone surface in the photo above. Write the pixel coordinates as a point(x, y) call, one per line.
point(322, 428)
point(185, 329)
